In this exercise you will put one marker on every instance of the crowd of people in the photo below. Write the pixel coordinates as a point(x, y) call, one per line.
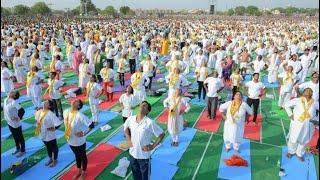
point(219, 54)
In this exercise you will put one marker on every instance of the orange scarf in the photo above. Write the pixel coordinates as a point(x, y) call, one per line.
point(306, 106)
point(136, 80)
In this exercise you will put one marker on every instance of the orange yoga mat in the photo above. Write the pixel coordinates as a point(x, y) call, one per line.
point(108, 104)
point(207, 124)
point(98, 160)
point(252, 131)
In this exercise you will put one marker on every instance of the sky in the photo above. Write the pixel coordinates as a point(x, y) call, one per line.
point(221, 5)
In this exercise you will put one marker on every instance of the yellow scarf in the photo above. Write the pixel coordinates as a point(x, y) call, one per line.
point(33, 62)
point(173, 79)
point(136, 80)
point(30, 76)
point(70, 118)
point(175, 64)
point(105, 74)
point(69, 46)
point(14, 62)
point(121, 64)
point(89, 88)
point(52, 65)
point(235, 106)
point(306, 106)
point(50, 85)
point(173, 111)
point(236, 78)
point(288, 79)
point(42, 115)
point(85, 68)
point(23, 51)
point(96, 58)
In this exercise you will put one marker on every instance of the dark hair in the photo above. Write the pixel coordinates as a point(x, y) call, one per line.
point(80, 104)
point(236, 93)
point(131, 92)
point(54, 73)
point(149, 105)
point(51, 108)
point(314, 73)
point(95, 77)
point(5, 63)
point(16, 95)
point(255, 74)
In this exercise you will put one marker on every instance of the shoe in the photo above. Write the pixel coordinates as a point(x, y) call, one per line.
point(20, 154)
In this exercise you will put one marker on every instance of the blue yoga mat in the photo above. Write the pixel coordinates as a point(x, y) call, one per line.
point(233, 172)
point(32, 145)
point(270, 85)
point(171, 155)
point(3, 94)
point(65, 158)
point(105, 117)
point(29, 112)
point(23, 99)
point(196, 101)
point(84, 108)
point(295, 169)
point(117, 139)
point(162, 171)
point(5, 132)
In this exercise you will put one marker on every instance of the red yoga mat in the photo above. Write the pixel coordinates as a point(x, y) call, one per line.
point(315, 137)
point(98, 160)
point(252, 131)
point(44, 85)
point(66, 88)
point(163, 118)
point(207, 124)
point(68, 70)
point(19, 85)
point(82, 97)
point(127, 76)
point(23, 92)
point(107, 104)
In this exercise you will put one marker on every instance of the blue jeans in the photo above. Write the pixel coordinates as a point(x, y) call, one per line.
point(140, 168)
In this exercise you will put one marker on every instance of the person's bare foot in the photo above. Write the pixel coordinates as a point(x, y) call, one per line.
point(237, 151)
point(289, 155)
point(83, 175)
point(254, 123)
point(76, 176)
point(228, 149)
point(49, 162)
point(176, 144)
point(16, 152)
point(301, 158)
point(54, 163)
point(20, 154)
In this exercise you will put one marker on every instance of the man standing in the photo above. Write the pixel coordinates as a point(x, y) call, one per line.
point(304, 110)
point(213, 85)
point(138, 131)
point(255, 91)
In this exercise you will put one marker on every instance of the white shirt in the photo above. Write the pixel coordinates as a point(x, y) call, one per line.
point(80, 124)
point(141, 135)
point(95, 89)
point(258, 65)
point(287, 87)
point(50, 120)
point(305, 61)
point(214, 84)
point(128, 102)
point(254, 89)
point(55, 93)
point(313, 86)
point(10, 109)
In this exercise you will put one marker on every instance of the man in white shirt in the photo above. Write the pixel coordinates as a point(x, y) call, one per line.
point(255, 91)
point(132, 54)
point(258, 64)
point(306, 63)
point(139, 130)
point(213, 85)
point(55, 95)
point(13, 114)
point(313, 84)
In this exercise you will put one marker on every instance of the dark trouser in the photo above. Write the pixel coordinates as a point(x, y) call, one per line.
point(81, 156)
point(212, 106)
point(57, 107)
point(132, 64)
point(140, 168)
point(124, 119)
point(121, 78)
point(52, 148)
point(18, 138)
point(234, 89)
point(149, 85)
point(110, 61)
point(201, 88)
point(255, 103)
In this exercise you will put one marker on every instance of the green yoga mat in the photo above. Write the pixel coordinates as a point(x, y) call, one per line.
point(69, 74)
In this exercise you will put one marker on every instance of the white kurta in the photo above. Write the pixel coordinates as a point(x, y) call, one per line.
point(273, 68)
point(233, 132)
point(6, 82)
point(176, 121)
point(50, 120)
point(182, 81)
point(140, 90)
point(94, 89)
point(84, 74)
point(128, 102)
point(19, 69)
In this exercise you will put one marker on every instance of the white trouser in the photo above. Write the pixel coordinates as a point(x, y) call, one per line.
point(94, 112)
point(304, 74)
point(36, 101)
point(284, 97)
point(235, 145)
point(296, 148)
point(175, 137)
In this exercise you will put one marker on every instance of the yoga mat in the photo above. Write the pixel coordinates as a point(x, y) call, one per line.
point(161, 170)
point(69, 74)
point(23, 99)
point(29, 112)
point(295, 169)
point(107, 104)
point(66, 88)
point(65, 158)
point(44, 85)
point(163, 118)
point(104, 117)
point(127, 76)
point(19, 85)
point(270, 85)
point(5, 132)
point(33, 144)
point(196, 101)
point(23, 92)
point(3, 94)
point(252, 131)
point(211, 125)
point(170, 154)
point(117, 139)
point(315, 137)
point(233, 172)
point(98, 160)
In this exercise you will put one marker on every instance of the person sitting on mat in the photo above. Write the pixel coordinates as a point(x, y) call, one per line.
point(139, 130)
point(77, 126)
point(46, 124)
point(177, 106)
